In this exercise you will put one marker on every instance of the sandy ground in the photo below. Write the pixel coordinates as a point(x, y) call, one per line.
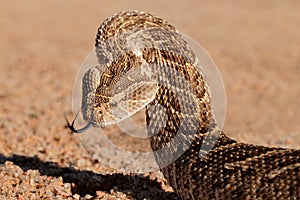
point(255, 44)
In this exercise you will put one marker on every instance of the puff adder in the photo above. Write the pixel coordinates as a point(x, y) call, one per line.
point(161, 69)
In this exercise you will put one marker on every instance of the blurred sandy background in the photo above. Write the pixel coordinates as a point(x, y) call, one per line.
point(255, 44)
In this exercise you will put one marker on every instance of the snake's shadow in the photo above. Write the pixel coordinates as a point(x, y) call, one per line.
point(88, 182)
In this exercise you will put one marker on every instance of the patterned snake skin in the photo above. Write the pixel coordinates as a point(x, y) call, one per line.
point(149, 64)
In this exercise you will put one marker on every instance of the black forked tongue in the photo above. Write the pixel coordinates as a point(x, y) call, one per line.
point(73, 129)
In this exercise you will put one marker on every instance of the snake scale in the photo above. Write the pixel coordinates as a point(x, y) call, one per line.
point(184, 123)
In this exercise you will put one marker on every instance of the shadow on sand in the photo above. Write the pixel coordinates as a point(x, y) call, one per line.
point(88, 182)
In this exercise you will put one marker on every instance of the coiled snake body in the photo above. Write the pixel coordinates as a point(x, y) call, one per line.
point(159, 71)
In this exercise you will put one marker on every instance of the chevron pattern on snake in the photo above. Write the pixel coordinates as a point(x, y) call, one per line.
point(229, 169)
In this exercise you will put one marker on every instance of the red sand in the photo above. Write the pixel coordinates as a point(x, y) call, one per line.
point(255, 44)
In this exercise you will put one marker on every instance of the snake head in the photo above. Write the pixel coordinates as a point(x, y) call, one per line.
point(109, 97)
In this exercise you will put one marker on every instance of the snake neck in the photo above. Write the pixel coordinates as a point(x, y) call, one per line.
point(181, 114)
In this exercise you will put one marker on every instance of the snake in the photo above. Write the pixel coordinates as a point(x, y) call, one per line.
point(144, 62)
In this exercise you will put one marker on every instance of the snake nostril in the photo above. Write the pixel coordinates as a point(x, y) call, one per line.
point(113, 104)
